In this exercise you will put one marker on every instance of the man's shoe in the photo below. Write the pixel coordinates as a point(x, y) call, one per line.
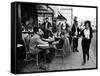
point(73, 50)
point(43, 67)
point(83, 63)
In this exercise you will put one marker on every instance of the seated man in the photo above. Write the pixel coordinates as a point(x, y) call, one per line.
point(34, 41)
point(59, 44)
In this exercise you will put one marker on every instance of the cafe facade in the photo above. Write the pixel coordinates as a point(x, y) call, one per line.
point(44, 11)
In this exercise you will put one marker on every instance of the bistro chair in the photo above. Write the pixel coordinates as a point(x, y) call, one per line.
point(60, 53)
point(29, 55)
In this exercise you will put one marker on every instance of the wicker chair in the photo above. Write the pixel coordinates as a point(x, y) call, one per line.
point(29, 55)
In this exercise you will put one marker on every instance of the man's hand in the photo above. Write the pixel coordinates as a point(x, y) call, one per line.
point(56, 42)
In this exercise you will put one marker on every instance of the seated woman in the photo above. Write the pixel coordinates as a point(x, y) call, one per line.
point(63, 42)
point(57, 35)
point(59, 44)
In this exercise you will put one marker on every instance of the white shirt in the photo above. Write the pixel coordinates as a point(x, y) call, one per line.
point(87, 33)
point(46, 25)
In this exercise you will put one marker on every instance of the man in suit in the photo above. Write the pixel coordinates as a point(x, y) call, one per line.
point(75, 32)
point(45, 27)
point(46, 24)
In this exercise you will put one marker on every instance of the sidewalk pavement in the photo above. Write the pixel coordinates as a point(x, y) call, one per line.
point(73, 61)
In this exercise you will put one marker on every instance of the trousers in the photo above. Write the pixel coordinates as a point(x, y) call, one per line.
point(85, 49)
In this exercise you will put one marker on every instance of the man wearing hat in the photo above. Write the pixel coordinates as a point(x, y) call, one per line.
point(75, 32)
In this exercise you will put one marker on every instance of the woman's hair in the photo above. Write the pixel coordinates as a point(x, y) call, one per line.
point(89, 22)
point(62, 33)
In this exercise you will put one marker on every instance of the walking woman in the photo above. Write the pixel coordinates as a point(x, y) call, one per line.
point(86, 41)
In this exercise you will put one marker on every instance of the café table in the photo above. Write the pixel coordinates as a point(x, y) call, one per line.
point(49, 40)
point(46, 49)
point(43, 46)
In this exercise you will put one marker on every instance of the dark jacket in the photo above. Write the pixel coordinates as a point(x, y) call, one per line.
point(82, 34)
point(73, 30)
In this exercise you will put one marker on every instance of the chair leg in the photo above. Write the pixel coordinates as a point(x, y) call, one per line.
point(62, 58)
point(25, 60)
point(55, 53)
point(37, 61)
